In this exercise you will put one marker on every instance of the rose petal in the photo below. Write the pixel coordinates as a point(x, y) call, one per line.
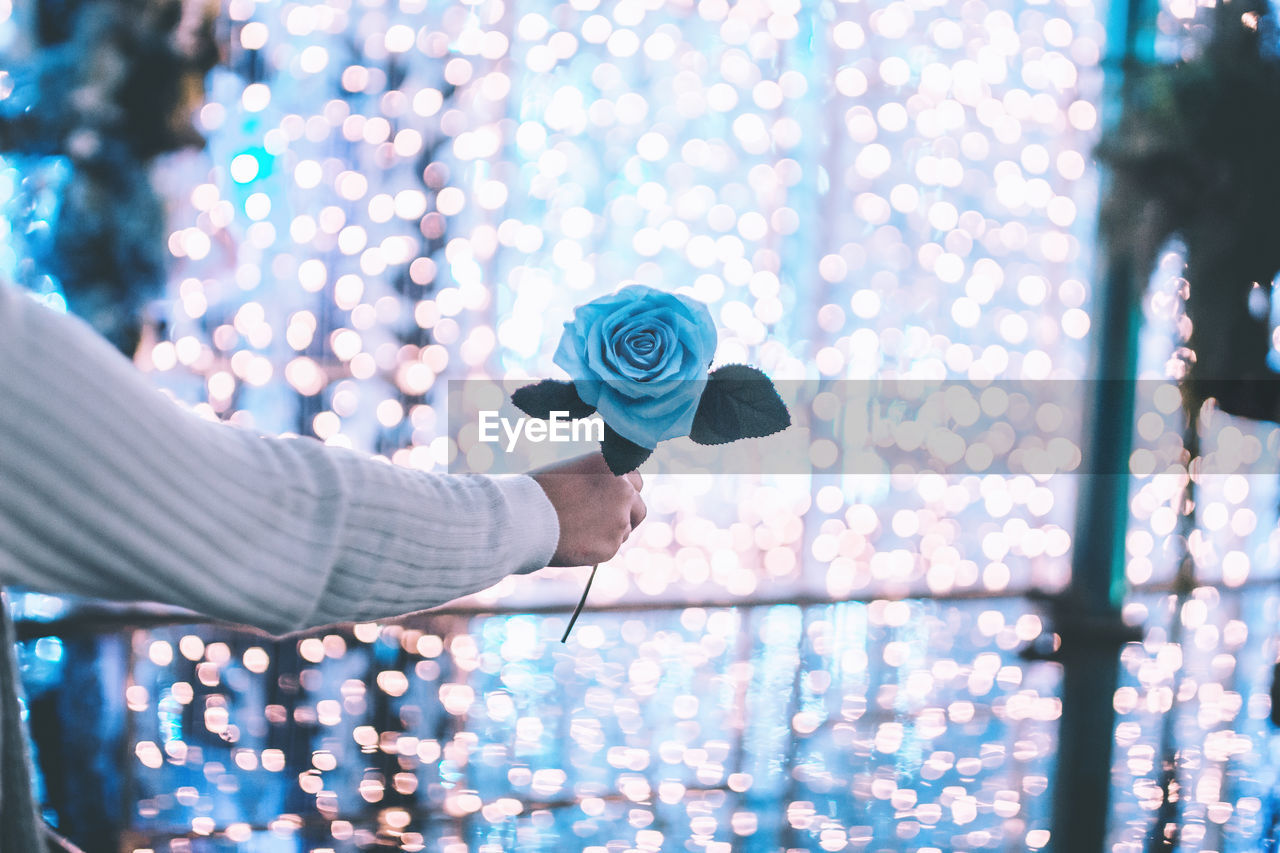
point(647, 422)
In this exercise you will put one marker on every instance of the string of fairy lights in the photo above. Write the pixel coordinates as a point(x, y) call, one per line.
point(394, 195)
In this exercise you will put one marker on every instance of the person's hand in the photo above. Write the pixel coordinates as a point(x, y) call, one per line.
point(597, 510)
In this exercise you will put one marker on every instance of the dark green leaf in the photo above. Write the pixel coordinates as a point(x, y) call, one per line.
point(739, 402)
point(550, 395)
point(620, 454)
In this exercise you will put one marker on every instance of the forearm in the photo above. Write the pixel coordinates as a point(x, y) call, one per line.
point(108, 489)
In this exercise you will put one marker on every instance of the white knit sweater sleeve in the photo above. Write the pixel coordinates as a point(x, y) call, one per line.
point(108, 489)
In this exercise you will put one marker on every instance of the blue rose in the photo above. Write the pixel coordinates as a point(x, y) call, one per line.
point(640, 356)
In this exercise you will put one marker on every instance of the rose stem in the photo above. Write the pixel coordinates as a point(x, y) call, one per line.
point(577, 610)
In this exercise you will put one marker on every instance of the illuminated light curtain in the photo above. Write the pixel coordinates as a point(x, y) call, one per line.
point(1195, 753)
point(1194, 757)
point(398, 194)
point(1194, 701)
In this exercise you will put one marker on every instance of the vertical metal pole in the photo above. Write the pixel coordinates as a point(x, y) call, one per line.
point(1088, 616)
point(1092, 630)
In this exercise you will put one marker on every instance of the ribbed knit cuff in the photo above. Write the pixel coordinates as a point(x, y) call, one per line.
point(420, 550)
point(533, 520)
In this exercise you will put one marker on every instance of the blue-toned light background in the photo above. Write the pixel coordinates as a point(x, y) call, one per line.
point(393, 195)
